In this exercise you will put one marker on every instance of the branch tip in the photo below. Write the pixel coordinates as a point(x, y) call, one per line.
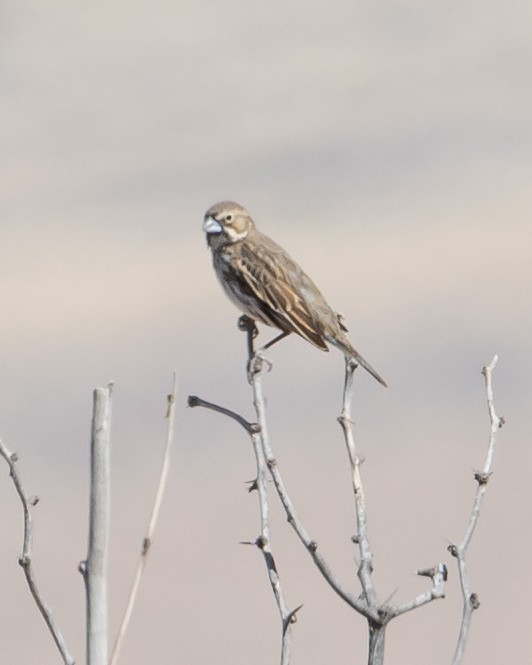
point(438, 570)
point(488, 368)
point(426, 572)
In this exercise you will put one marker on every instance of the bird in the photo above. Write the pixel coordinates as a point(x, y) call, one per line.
point(267, 285)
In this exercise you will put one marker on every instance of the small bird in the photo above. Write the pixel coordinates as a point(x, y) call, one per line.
point(266, 284)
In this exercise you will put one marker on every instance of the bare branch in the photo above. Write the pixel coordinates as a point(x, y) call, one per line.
point(312, 547)
point(148, 538)
point(250, 428)
point(365, 567)
point(377, 614)
point(254, 373)
point(260, 485)
point(438, 574)
point(258, 436)
point(94, 569)
point(263, 543)
point(26, 558)
point(470, 599)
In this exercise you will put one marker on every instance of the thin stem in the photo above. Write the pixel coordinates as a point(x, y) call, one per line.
point(254, 369)
point(365, 567)
point(438, 574)
point(470, 600)
point(377, 615)
point(263, 542)
point(26, 558)
point(194, 400)
point(148, 538)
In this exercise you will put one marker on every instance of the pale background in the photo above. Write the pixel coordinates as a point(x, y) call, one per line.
point(388, 147)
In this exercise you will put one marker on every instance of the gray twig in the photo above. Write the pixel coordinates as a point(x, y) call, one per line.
point(193, 401)
point(310, 544)
point(377, 614)
point(263, 542)
point(470, 600)
point(365, 567)
point(26, 558)
point(438, 575)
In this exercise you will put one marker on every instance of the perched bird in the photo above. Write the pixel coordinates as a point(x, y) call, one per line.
point(266, 284)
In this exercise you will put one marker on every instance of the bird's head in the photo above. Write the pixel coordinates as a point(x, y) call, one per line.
point(226, 223)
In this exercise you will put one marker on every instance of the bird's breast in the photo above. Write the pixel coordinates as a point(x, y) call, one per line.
point(237, 288)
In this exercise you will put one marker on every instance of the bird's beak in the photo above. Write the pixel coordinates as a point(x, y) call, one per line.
point(211, 225)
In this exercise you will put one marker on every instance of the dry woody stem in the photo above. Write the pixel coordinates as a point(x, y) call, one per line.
point(94, 568)
point(26, 557)
point(258, 434)
point(148, 538)
point(470, 599)
point(377, 614)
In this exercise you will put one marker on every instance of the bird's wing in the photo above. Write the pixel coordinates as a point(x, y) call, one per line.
point(277, 282)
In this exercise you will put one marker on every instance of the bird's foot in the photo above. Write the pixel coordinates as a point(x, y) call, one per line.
point(258, 364)
point(247, 324)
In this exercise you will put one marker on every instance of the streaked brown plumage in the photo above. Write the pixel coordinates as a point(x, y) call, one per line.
point(265, 283)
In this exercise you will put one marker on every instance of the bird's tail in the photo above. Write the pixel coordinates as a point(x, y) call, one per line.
point(350, 351)
point(362, 361)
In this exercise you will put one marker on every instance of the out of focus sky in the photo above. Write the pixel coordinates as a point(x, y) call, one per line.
point(388, 148)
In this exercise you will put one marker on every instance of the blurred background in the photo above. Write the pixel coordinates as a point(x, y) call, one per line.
point(388, 148)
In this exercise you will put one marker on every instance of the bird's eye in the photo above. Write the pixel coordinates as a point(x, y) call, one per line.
point(229, 218)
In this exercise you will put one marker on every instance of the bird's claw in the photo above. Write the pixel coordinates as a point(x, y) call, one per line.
point(256, 365)
point(247, 324)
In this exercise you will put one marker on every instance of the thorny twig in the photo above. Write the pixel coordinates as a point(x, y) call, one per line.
point(470, 600)
point(257, 434)
point(377, 614)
